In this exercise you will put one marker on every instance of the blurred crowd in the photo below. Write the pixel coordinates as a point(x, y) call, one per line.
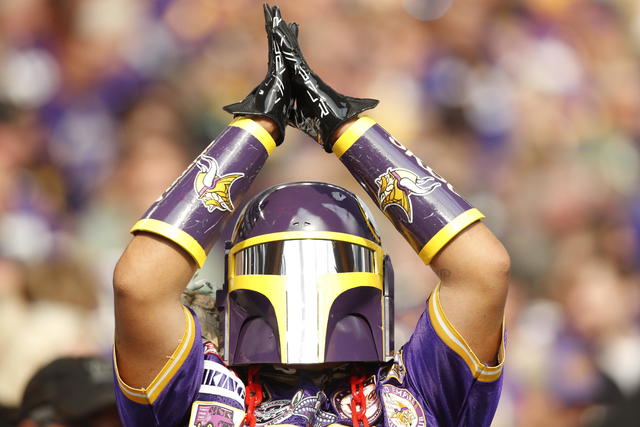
point(531, 108)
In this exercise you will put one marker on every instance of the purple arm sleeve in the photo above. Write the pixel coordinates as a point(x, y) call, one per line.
point(190, 209)
point(421, 204)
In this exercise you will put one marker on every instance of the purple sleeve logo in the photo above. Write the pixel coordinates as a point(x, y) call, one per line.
point(396, 185)
point(213, 190)
point(401, 408)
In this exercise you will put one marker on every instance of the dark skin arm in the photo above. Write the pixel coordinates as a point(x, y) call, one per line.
point(148, 281)
point(474, 275)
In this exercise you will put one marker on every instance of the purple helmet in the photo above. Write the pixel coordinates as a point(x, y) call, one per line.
point(307, 281)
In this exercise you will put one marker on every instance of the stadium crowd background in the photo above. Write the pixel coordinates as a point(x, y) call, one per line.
point(531, 108)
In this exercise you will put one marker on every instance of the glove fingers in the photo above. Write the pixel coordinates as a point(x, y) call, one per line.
point(272, 97)
point(289, 34)
point(293, 27)
point(238, 108)
point(277, 16)
point(272, 18)
point(268, 15)
point(358, 105)
point(280, 26)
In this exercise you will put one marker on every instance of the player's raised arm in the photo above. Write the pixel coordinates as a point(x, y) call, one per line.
point(443, 228)
point(173, 237)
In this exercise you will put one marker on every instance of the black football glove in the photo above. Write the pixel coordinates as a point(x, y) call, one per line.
point(271, 98)
point(318, 109)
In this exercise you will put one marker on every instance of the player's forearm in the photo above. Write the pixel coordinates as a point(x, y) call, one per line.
point(179, 229)
point(441, 227)
point(421, 204)
point(478, 245)
point(172, 240)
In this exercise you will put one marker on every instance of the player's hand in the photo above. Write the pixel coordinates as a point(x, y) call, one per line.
point(318, 109)
point(271, 98)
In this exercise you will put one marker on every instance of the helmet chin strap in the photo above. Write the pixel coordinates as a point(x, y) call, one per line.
point(358, 402)
point(253, 398)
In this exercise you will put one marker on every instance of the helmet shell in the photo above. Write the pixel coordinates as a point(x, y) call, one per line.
point(355, 325)
point(305, 206)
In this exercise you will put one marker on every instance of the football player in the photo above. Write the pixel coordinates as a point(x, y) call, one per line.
point(308, 297)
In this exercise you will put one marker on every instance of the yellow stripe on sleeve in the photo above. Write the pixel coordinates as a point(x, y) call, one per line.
point(255, 129)
point(456, 342)
point(448, 232)
point(175, 234)
point(351, 135)
point(148, 395)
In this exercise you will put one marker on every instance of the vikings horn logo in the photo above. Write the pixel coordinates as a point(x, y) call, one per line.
point(396, 185)
point(404, 415)
point(214, 190)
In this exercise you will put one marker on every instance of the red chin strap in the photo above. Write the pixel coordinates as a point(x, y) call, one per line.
point(358, 403)
point(253, 396)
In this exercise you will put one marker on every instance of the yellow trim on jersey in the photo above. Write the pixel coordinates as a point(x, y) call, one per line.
point(448, 232)
point(351, 135)
point(255, 129)
point(148, 395)
point(456, 342)
point(175, 234)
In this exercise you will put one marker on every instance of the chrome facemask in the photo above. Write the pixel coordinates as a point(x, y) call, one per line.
point(303, 279)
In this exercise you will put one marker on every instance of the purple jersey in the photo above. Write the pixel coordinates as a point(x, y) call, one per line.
point(434, 380)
